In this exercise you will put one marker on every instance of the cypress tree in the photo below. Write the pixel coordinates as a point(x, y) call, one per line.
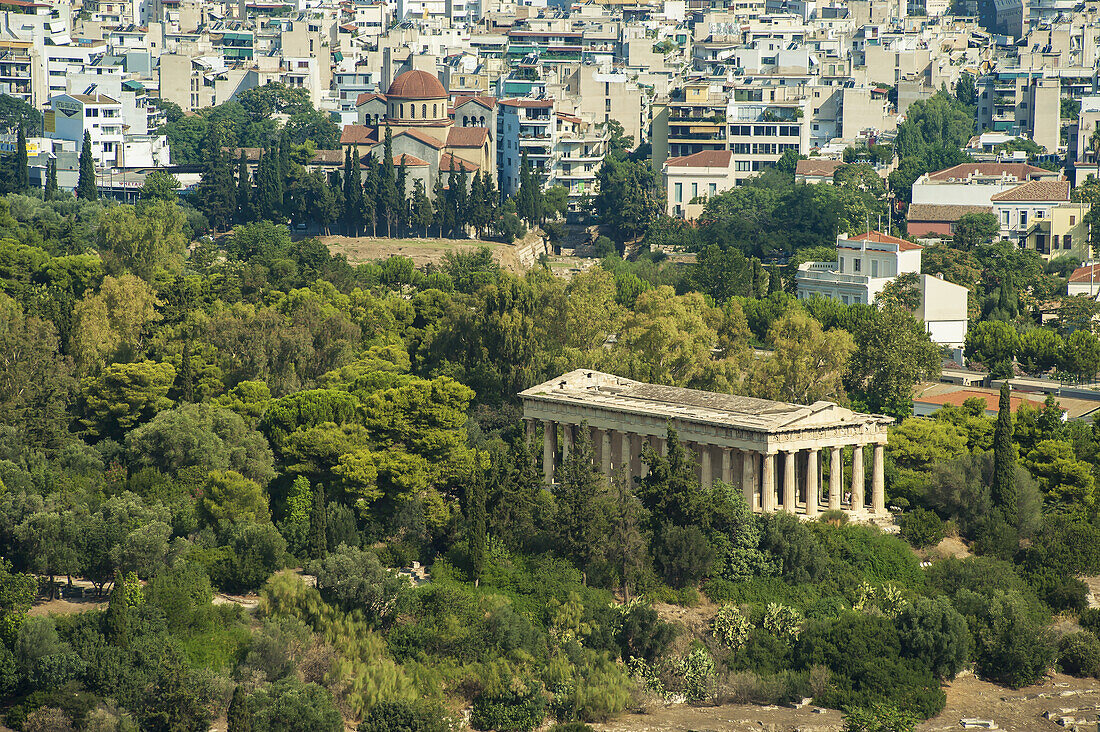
point(246, 212)
point(462, 201)
point(476, 522)
point(439, 202)
point(386, 189)
point(216, 192)
point(283, 171)
point(117, 618)
point(21, 167)
point(420, 209)
point(239, 716)
point(1004, 459)
point(401, 203)
point(372, 194)
point(267, 186)
point(348, 195)
point(318, 525)
point(51, 179)
point(525, 200)
point(478, 216)
point(85, 185)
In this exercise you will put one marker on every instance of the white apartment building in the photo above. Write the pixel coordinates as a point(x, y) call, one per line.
point(866, 263)
point(759, 133)
point(524, 126)
point(97, 114)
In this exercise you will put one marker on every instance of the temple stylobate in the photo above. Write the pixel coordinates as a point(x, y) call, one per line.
point(775, 452)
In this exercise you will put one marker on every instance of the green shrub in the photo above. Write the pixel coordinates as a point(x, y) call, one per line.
point(1090, 619)
point(921, 527)
point(1079, 654)
point(406, 716)
point(511, 712)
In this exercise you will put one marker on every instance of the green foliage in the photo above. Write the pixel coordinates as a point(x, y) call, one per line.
point(922, 528)
point(288, 705)
point(354, 579)
point(1079, 654)
point(406, 716)
point(512, 712)
point(697, 675)
point(730, 627)
point(879, 718)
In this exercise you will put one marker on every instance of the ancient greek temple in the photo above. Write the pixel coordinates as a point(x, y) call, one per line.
point(782, 456)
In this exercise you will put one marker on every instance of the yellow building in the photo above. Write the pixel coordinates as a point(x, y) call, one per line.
point(1062, 231)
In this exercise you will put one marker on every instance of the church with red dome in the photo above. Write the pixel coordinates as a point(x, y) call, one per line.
point(417, 112)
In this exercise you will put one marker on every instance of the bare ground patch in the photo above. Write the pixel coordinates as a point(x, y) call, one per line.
point(359, 249)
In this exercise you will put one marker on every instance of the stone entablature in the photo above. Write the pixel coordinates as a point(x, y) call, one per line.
point(762, 446)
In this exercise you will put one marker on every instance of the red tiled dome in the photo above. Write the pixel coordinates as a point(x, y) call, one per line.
point(416, 84)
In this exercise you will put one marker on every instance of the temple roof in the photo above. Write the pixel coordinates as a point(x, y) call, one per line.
point(596, 389)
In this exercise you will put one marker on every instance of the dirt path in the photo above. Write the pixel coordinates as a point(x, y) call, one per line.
point(1038, 707)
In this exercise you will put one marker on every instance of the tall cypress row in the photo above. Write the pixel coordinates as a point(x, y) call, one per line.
point(1004, 459)
point(21, 168)
point(318, 525)
point(476, 523)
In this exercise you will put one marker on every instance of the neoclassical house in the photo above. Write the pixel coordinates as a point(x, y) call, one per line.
point(774, 452)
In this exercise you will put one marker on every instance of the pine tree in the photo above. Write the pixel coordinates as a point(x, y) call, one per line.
point(20, 167)
point(186, 376)
point(421, 209)
point(476, 523)
point(318, 525)
point(51, 179)
point(246, 211)
point(1004, 459)
point(85, 185)
point(239, 716)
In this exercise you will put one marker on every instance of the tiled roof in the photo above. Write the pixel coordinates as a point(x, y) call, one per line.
point(956, 398)
point(487, 102)
point(704, 159)
point(1088, 273)
point(416, 84)
point(460, 164)
point(1036, 190)
point(423, 137)
point(964, 171)
point(357, 135)
point(467, 136)
point(409, 161)
point(943, 212)
point(528, 103)
point(879, 237)
point(817, 167)
point(368, 96)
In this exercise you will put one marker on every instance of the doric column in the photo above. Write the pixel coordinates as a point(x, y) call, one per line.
point(725, 457)
point(767, 486)
point(813, 473)
point(549, 450)
point(858, 502)
point(836, 470)
point(566, 441)
point(531, 429)
point(605, 452)
point(626, 444)
point(706, 473)
point(748, 479)
point(637, 467)
point(660, 444)
point(878, 490)
point(790, 492)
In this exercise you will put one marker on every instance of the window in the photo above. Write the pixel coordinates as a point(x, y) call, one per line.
point(1067, 241)
point(844, 299)
point(1072, 220)
point(1004, 218)
point(744, 166)
point(679, 192)
point(607, 105)
point(1040, 213)
point(1041, 243)
point(1023, 219)
point(713, 188)
point(1054, 242)
point(857, 264)
point(841, 262)
point(424, 110)
point(874, 268)
point(694, 190)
